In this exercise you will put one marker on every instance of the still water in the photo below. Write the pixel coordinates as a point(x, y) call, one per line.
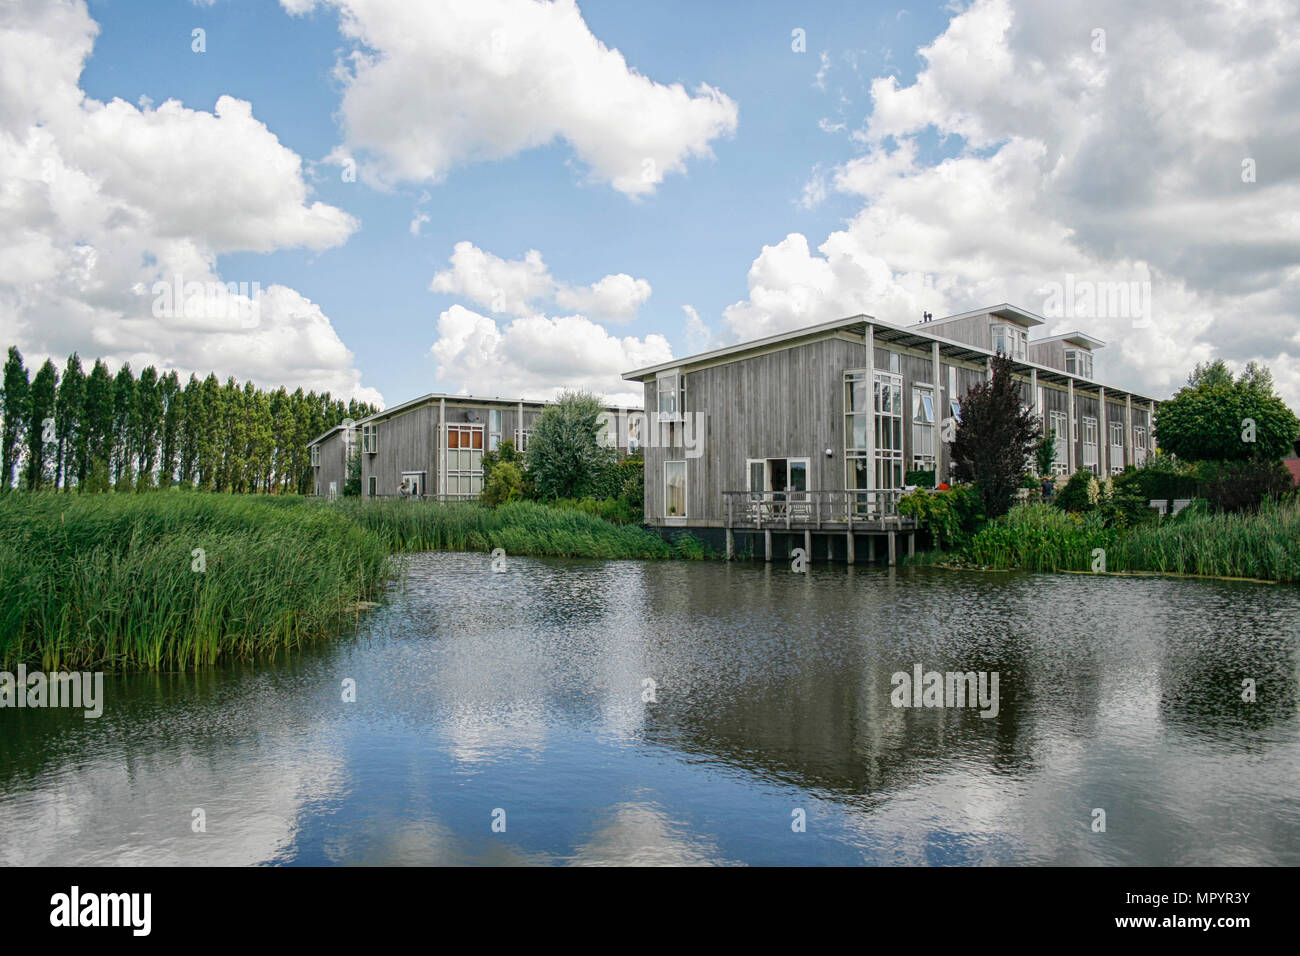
point(518, 697)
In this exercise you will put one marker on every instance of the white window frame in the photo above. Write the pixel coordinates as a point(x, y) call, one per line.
point(888, 424)
point(370, 487)
point(421, 476)
point(463, 483)
point(1090, 447)
point(370, 439)
point(1018, 337)
point(923, 431)
point(1061, 457)
point(494, 430)
point(521, 439)
point(669, 384)
point(315, 456)
point(1081, 359)
point(670, 466)
point(1139, 445)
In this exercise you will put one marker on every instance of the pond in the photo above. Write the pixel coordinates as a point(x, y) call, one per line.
point(623, 712)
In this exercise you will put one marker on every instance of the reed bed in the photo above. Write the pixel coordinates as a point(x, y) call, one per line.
point(113, 582)
point(521, 527)
point(1264, 545)
point(109, 582)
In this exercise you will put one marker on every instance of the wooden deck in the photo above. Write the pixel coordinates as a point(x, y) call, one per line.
point(848, 513)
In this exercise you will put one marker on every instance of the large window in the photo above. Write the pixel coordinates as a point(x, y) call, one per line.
point(1061, 459)
point(371, 486)
point(1011, 340)
point(1090, 444)
point(888, 396)
point(668, 390)
point(1078, 362)
point(923, 421)
point(370, 439)
point(315, 455)
point(494, 429)
point(675, 489)
point(1116, 457)
point(1139, 445)
point(464, 461)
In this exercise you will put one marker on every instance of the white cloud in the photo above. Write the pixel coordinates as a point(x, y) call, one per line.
point(439, 83)
point(1122, 167)
point(516, 286)
point(699, 337)
point(536, 357)
point(98, 201)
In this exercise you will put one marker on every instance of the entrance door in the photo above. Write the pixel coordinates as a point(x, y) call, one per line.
point(414, 483)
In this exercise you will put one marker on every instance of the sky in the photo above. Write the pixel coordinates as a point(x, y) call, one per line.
point(385, 198)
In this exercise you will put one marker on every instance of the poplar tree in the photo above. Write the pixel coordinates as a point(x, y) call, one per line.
point(41, 441)
point(69, 430)
point(13, 404)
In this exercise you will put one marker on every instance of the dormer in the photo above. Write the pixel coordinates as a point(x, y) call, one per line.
point(1004, 328)
point(1071, 352)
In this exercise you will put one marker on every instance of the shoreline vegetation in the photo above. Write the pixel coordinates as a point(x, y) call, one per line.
point(1261, 546)
point(177, 580)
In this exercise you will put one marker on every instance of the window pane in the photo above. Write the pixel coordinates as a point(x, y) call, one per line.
point(798, 476)
point(675, 487)
point(756, 476)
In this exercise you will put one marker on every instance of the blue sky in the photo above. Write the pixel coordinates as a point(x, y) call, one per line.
point(987, 168)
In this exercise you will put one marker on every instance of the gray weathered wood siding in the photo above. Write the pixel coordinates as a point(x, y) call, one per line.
point(333, 465)
point(784, 404)
point(407, 441)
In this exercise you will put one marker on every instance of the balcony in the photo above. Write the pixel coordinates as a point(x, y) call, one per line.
point(851, 510)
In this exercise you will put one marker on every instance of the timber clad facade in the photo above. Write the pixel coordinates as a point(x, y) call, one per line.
point(818, 428)
point(434, 443)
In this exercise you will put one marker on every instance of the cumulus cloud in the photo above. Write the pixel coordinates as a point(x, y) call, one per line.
point(536, 357)
point(101, 201)
point(1120, 164)
point(516, 286)
point(439, 83)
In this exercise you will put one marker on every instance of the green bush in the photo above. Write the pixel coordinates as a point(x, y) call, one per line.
point(1080, 494)
point(951, 515)
point(506, 484)
point(1234, 486)
point(922, 479)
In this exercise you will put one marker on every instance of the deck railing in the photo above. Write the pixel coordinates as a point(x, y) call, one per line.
point(813, 508)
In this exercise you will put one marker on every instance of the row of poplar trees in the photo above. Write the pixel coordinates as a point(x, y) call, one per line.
point(97, 431)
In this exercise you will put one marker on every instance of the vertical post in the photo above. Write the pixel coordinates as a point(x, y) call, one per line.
point(1070, 430)
point(1033, 400)
point(911, 544)
point(807, 545)
point(442, 449)
point(938, 414)
point(1103, 436)
point(1151, 426)
point(731, 544)
point(871, 549)
point(767, 544)
point(521, 423)
point(871, 405)
point(1129, 457)
point(848, 545)
point(893, 545)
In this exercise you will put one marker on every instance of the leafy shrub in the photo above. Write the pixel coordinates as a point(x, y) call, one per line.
point(951, 516)
point(506, 484)
point(922, 479)
point(1080, 493)
point(1234, 486)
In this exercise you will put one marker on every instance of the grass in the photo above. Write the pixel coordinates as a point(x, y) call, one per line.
point(521, 527)
point(109, 582)
point(113, 582)
point(1264, 545)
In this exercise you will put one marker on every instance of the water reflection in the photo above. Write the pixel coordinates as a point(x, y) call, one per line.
point(523, 692)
